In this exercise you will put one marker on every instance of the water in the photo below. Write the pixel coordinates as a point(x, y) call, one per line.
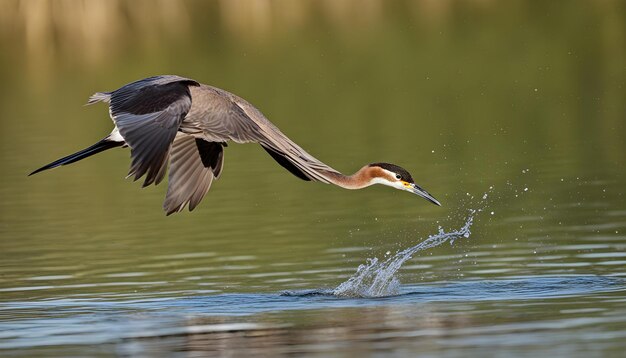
point(377, 279)
point(522, 100)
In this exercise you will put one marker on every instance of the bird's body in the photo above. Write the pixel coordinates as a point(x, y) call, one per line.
point(176, 120)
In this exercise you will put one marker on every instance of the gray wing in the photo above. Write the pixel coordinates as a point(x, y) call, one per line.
point(148, 114)
point(287, 153)
point(224, 116)
point(193, 165)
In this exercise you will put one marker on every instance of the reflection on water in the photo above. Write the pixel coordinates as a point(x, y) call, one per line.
point(522, 96)
point(267, 322)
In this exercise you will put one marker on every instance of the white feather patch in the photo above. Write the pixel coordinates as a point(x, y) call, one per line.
point(116, 136)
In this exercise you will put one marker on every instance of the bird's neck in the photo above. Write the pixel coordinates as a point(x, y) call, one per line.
point(361, 179)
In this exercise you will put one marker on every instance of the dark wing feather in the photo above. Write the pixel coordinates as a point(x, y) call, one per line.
point(193, 165)
point(148, 114)
point(285, 163)
point(211, 155)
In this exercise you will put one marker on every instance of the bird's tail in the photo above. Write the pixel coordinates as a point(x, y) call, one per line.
point(101, 146)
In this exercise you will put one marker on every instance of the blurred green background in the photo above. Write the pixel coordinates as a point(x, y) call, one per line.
point(526, 97)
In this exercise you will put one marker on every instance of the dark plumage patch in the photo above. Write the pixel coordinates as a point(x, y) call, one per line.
point(285, 163)
point(141, 98)
point(404, 175)
point(211, 155)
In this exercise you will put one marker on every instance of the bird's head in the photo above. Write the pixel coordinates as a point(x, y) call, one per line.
point(397, 177)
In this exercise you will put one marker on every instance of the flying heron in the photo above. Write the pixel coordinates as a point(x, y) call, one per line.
point(181, 121)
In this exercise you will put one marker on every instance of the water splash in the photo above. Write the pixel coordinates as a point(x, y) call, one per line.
point(377, 278)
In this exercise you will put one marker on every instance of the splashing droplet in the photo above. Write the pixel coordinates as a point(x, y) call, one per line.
point(377, 279)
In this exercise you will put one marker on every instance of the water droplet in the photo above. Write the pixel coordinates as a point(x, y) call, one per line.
point(377, 278)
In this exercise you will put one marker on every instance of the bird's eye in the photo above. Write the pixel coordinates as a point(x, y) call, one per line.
point(398, 176)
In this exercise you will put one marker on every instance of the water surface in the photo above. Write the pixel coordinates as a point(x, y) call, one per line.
point(519, 100)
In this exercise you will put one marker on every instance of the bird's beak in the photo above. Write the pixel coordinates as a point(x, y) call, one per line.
point(415, 189)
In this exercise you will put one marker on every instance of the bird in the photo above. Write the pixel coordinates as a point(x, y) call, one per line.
point(174, 120)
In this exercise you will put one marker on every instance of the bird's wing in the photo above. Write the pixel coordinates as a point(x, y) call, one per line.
point(148, 114)
point(193, 165)
point(287, 153)
point(229, 117)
